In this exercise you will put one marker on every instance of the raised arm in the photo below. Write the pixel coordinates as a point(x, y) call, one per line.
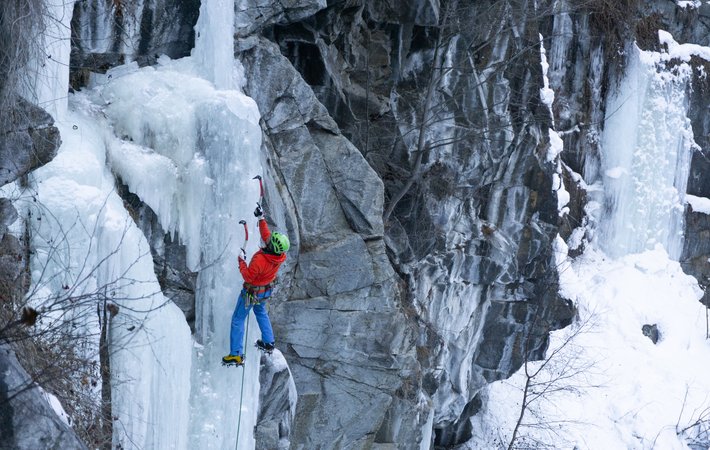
point(264, 230)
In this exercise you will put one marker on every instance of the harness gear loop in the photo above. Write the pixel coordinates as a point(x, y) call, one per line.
point(253, 294)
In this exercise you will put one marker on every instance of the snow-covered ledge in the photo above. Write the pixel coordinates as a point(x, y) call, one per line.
point(699, 204)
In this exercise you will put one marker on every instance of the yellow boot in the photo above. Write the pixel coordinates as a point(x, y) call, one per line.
point(233, 360)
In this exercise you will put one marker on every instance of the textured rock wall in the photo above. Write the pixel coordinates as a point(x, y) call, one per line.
point(27, 421)
point(338, 316)
point(695, 256)
point(28, 140)
point(471, 236)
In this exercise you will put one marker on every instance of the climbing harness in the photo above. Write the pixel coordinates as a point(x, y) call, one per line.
point(255, 294)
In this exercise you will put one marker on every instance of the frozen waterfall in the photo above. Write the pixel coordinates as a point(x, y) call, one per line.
point(187, 143)
point(646, 157)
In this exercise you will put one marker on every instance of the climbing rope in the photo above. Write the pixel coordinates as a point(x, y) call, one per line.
point(241, 393)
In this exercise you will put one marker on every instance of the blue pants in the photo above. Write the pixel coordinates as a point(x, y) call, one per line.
point(236, 336)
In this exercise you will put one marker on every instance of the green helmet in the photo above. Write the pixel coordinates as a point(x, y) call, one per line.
point(280, 243)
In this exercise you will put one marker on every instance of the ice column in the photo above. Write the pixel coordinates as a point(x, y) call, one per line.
point(646, 157)
point(214, 42)
point(199, 145)
point(89, 253)
point(48, 76)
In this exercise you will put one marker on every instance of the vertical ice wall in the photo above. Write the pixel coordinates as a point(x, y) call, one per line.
point(190, 153)
point(189, 150)
point(47, 79)
point(214, 42)
point(204, 140)
point(645, 157)
point(87, 249)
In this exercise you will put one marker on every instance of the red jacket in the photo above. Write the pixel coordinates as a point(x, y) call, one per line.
point(263, 266)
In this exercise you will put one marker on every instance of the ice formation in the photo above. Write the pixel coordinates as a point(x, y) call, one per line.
point(188, 144)
point(646, 146)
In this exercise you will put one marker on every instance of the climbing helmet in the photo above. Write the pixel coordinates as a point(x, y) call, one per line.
point(279, 242)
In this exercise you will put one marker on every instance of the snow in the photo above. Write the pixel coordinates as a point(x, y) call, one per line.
point(623, 391)
point(616, 172)
point(681, 51)
point(689, 3)
point(699, 204)
point(56, 406)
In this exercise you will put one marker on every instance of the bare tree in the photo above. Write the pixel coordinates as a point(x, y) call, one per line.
point(61, 334)
point(563, 370)
point(696, 429)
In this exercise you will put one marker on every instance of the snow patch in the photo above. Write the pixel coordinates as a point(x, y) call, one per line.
point(616, 172)
point(56, 406)
point(547, 96)
point(681, 51)
point(693, 4)
point(699, 204)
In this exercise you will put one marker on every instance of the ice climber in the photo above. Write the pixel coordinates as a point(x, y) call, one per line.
point(258, 278)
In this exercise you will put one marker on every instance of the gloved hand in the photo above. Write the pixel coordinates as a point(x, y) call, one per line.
point(243, 256)
point(259, 212)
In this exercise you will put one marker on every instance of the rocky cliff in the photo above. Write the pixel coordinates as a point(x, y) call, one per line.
point(27, 421)
point(459, 138)
point(410, 147)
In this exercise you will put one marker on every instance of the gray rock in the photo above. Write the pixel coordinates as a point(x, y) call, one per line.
point(252, 16)
point(27, 421)
point(8, 213)
point(107, 34)
point(277, 403)
point(651, 332)
point(696, 249)
point(472, 236)
point(340, 295)
point(13, 266)
point(29, 140)
point(176, 281)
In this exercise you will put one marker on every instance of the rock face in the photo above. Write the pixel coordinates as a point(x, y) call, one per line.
point(28, 140)
point(340, 295)
point(470, 207)
point(253, 16)
point(277, 403)
point(696, 251)
point(27, 421)
point(177, 282)
point(109, 33)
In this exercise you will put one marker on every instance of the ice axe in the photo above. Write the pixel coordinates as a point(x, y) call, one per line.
point(261, 187)
point(246, 238)
point(261, 196)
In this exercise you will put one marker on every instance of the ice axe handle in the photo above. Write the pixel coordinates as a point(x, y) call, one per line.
point(246, 237)
point(261, 186)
